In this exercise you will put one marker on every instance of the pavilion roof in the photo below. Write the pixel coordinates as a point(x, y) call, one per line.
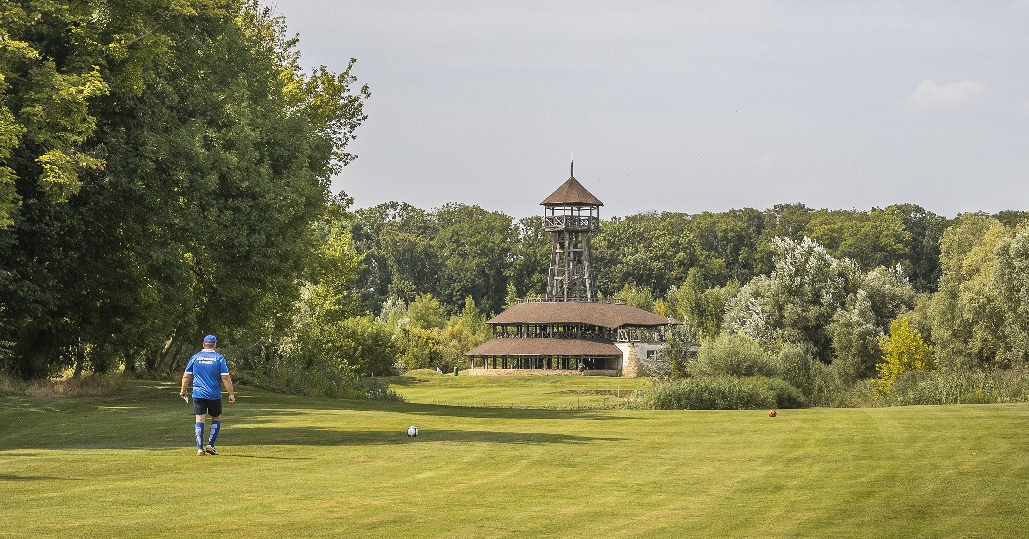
point(545, 347)
point(607, 315)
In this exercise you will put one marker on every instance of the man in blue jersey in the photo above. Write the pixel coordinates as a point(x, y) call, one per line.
point(208, 371)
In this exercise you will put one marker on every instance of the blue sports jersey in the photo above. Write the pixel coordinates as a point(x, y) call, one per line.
point(207, 368)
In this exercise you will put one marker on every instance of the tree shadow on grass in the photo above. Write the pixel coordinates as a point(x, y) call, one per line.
point(318, 436)
point(10, 477)
point(263, 457)
point(249, 435)
point(438, 410)
point(490, 412)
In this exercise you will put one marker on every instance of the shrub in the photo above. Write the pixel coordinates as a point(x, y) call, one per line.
point(421, 349)
point(903, 350)
point(833, 386)
point(675, 357)
point(319, 381)
point(828, 385)
point(732, 354)
point(795, 365)
point(10, 385)
point(722, 393)
point(367, 345)
point(292, 368)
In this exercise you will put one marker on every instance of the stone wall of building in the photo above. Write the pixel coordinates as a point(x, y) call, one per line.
point(632, 368)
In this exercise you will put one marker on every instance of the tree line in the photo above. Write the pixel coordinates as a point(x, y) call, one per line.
point(459, 250)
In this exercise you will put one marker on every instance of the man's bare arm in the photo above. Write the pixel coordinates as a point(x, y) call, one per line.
point(186, 377)
point(227, 382)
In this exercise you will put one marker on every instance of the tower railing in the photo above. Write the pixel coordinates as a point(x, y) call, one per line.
point(570, 222)
point(543, 299)
point(641, 335)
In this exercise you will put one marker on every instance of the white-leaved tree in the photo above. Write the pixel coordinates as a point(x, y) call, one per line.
point(825, 304)
point(1011, 278)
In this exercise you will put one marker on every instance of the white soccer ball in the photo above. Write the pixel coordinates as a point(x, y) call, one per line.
point(412, 431)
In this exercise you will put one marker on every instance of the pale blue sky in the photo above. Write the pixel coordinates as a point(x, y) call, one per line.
point(683, 106)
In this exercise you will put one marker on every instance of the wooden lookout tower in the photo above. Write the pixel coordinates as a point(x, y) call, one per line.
point(570, 331)
point(571, 215)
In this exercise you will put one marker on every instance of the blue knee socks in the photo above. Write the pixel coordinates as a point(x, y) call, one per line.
point(198, 430)
point(216, 425)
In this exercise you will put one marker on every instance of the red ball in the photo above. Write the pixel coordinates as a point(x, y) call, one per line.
point(771, 413)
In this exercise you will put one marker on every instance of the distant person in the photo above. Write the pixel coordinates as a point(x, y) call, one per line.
point(582, 367)
point(208, 371)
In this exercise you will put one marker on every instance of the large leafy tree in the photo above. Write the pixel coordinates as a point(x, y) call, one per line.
point(728, 245)
point(923, 248)
point(660, 250)
point(1011, 278)
point(876, 238)
point(818, 301)
point(700, 306)
point(965, 312)
point(798, 300)
point(476, 250)
point(49, 75)
point(451, 252)
point(978, 316)
point(396, 241)
point(624, 254)
point(530, 259)
point(192, 156)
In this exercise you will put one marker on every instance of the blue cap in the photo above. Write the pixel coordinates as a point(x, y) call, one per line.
point(210, 339)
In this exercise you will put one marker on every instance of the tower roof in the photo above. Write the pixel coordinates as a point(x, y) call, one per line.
point(571, 193)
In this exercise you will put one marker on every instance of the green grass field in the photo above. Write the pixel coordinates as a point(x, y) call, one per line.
point(557, 392)
point(124, 466)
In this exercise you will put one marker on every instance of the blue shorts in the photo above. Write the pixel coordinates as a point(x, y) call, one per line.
point(211, 407)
